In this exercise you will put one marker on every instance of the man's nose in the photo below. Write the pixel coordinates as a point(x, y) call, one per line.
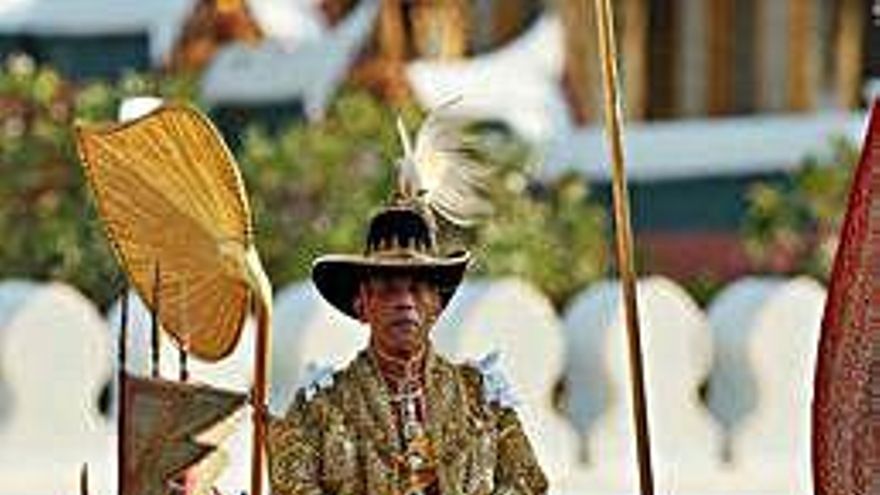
point(405, 300)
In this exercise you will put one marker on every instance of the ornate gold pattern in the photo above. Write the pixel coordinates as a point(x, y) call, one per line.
point(345, 440)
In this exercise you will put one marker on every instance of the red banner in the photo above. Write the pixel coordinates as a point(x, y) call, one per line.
point(846, 402)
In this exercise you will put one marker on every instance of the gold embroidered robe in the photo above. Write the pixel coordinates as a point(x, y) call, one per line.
point(342, 440)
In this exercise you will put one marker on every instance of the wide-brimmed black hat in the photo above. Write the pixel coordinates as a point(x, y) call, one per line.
point(400, 239)
point(436, 175)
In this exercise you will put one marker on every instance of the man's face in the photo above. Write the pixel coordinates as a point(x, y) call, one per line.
point(400, 310)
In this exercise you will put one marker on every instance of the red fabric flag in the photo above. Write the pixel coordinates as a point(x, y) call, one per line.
point(846, 401)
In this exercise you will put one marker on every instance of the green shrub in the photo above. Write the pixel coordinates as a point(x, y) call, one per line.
point(48, 223)
point(313, 187)
point(793, 226)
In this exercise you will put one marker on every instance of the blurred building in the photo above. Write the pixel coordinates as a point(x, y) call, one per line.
point(718, 93)
point(698, 58)
point(750, 87)
point(87, 39)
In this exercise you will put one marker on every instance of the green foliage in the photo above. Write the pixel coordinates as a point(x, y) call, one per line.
point(553, 235)
point(313, 187)
point(48, 223)
point(704, 287)
point(793, 226)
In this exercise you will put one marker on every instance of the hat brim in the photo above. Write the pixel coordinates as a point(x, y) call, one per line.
point(338, 276)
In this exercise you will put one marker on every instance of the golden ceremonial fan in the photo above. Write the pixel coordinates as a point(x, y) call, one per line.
point(171, 197)
point(175, 210)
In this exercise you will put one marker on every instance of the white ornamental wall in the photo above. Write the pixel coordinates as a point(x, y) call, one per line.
point(762, 332)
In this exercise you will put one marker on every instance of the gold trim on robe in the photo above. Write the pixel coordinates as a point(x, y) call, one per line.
point(344, 440)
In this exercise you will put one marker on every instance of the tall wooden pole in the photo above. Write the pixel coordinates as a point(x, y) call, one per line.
point(261, 364)
point(623, 232)
point(122, 407)
point(84, 479)
point(183, 358)
point(183, 344)
point(155, 336)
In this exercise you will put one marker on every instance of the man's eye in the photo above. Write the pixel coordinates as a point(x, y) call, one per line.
point(380, 285)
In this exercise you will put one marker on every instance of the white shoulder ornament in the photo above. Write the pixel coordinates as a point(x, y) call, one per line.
point(316, 378)
point(496, 387)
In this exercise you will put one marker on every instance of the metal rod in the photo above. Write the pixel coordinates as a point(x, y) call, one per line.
point(624, 242)
point(122, 408)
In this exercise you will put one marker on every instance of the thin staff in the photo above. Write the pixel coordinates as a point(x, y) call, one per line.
point(122, 408)
point(624, 242)
point(155, 336)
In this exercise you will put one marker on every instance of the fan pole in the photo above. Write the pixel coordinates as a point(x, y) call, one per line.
point(155, 336)
point(624, 242)
point(259, 397)
point(122, 402)
point(84, 479)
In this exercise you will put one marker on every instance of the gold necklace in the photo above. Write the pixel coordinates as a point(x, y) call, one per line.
point(386, 363)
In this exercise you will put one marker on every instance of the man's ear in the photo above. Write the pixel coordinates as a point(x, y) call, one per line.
point(434, 305)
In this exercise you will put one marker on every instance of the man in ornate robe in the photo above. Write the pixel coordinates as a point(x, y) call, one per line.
point(400, 418)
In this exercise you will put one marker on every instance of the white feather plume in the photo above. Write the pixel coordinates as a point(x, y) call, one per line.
point(442, 171)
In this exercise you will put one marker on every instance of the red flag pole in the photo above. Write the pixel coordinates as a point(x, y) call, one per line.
point(624, 242)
